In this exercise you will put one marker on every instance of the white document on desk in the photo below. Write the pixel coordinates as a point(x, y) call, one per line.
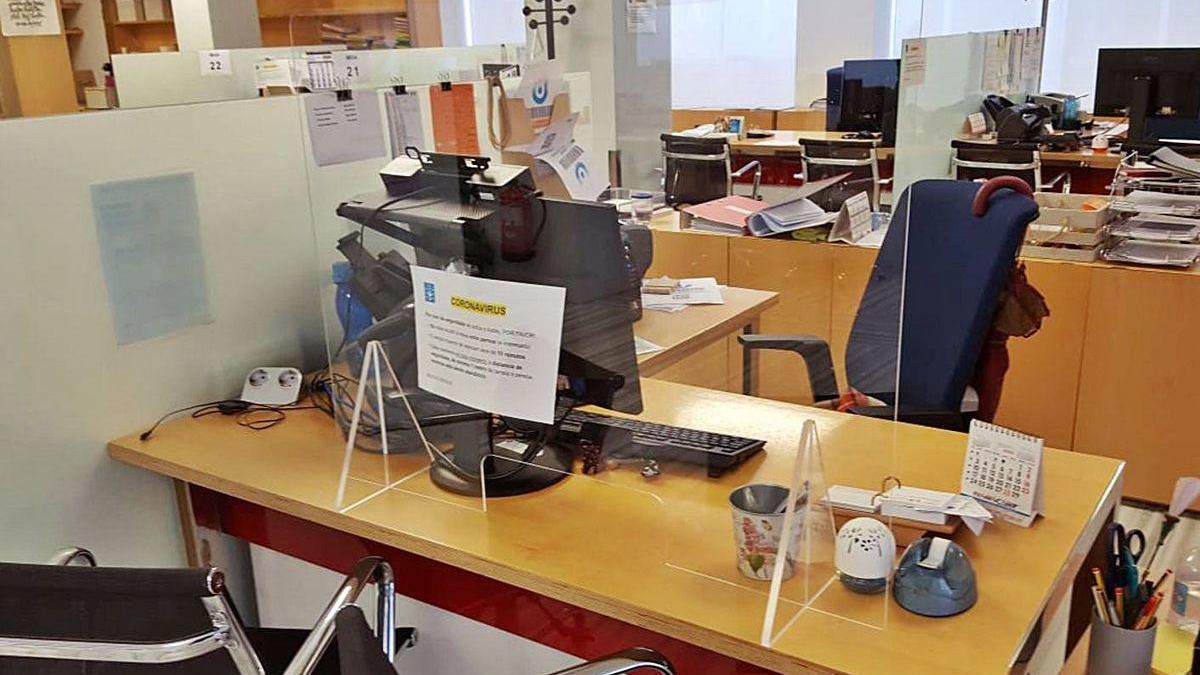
point(698, 291)
point(491, 345)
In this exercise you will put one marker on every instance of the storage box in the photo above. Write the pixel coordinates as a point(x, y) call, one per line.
point(1067, 210)
point(156, 10)
point(1060, 253)
point(1040, 234)
point(99, 98)
point(129, 11)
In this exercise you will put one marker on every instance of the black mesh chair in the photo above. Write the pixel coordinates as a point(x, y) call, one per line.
point(56, 619)
point(978, 161)
point(698, 169)
point(824, 159)
point(59, 619)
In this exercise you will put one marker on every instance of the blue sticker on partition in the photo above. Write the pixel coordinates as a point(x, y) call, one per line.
point(581, 173)
point(149, 235)
point(430, 292)
point(540, 92)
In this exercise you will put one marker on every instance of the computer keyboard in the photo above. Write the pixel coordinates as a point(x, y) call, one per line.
point(717, 452)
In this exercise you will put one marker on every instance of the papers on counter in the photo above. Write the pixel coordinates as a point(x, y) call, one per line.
point(643, 346)
point(925, 506)
point(699, 291)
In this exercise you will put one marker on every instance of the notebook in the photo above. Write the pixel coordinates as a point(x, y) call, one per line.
point(1003, 472)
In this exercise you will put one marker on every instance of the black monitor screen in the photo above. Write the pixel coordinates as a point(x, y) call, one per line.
point(868, 93)
point(1174, 75)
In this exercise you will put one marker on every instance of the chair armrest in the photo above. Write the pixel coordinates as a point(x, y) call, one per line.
point(623, 662)
point(952, 420)
point(812, 349)
point(70, 554)
point(757, 166)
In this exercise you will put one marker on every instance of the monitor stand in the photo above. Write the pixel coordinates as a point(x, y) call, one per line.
point(506, 478)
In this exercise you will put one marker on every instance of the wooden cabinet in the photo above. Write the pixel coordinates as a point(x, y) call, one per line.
point(1040, 393)
point(802, 274)
point(1139, 377)
point(1112, 372)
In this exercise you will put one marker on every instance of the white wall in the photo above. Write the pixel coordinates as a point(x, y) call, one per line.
point(586, 45)
point(90, 50)
point(828, 33)
point(216, 24)
point(71, 387)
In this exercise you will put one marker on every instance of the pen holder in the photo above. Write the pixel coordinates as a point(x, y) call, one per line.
point(1120, 651)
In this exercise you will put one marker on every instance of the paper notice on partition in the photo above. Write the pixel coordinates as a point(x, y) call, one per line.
point(274, 73)
point(542, 81)
point(150, 249)
point(343, 130)
point(29, 17)
point(551, 138)
point(405, 125)
point(454, 128)
point(491, 345)
point(640, 16)
point(575, 168)
point(996, 61)
point(913, 63)
point(1031, 58)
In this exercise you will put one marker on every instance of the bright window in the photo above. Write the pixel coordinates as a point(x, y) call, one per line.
point(1077, 29)
point(467, 23)
point(726, 54)
point(927, 18)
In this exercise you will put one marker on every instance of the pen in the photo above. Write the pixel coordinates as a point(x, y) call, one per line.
point(1120, 606)
point(1099, 580)
point(1098, 600)
point(1148, 612)
point(1158, 584)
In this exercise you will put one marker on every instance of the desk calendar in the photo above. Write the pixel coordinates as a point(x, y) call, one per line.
point(1003, 471)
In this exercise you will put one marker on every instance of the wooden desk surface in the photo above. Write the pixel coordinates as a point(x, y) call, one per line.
point(1083, 157)
point(681, 334)
point(788, 140)
point(622, 546)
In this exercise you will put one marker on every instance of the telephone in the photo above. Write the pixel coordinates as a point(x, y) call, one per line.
point(1015, 122)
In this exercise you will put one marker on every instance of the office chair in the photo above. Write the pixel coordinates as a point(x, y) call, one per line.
point(981, 161)
point(108, 621)
point(698, 169)
point(962, 242)
point(58, 618)
point(822, 159)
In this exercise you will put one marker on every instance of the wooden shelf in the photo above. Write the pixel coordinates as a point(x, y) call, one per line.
point(70, 5)
point(144, 22)
point(322, 14)
point(73, 32)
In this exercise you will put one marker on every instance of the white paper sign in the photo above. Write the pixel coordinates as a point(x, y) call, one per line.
point(29, 17)
point(351, 69)
point(215, 63)
point(274, 73)
point(405, 124)
point(542, 81)
point(977, 122)
point(322, 71)
point(491, 345)
point(582, 177)
point(552, 138)
point(913, 63)
point(853, 220)
point(343, 131)
point(640, 16)
point(1031, 57)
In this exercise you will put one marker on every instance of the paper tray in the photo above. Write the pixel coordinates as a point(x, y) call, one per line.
point(1159, 254)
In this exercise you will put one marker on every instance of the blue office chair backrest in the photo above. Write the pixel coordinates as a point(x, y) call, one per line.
point(958, 264)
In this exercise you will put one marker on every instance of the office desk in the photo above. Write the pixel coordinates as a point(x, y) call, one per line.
point(786, 141)
point(578, 566)
point(685, 334)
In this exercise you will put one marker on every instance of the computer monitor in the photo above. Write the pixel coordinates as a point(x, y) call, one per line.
point(1175, 72)
point(1158, 89)
point(491, 223)
point(869, 96)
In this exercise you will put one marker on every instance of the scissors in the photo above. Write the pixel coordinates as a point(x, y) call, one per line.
point(1127, 549)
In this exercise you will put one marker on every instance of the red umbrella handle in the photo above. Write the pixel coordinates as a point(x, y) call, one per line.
point(980, 205)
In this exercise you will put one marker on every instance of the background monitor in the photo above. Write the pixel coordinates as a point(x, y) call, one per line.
point(1174, 74)
point(870, 96)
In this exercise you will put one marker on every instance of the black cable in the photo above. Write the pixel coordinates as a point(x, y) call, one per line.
point(228, 402)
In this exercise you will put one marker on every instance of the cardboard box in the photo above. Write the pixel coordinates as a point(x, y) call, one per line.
point(156, 10)
point(129, 11)
point(99, 98)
